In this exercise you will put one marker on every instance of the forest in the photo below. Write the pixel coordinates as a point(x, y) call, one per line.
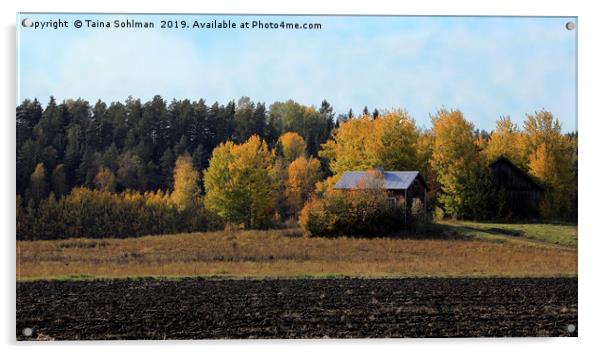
point(136, 168)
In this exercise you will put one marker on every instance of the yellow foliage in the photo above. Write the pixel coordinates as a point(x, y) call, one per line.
point(506, 140)
point(293, 146)
point(186, 179)
point(363, 143)
point(105, 180)
point(100, 214)
point(455, 159)
point(303, 174)
point(239, 183)
point(38, 183)
point(323, 187)
point(550, 161)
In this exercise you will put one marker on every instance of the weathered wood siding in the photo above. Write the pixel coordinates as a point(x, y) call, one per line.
point(522, 194)
point(416, 190)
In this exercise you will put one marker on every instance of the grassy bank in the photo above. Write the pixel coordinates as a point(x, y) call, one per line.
point(559, 234)
point(282, 253)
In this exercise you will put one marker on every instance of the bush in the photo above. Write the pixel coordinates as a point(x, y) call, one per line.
point(365, 212)
point(100, 214)
point(439, 214)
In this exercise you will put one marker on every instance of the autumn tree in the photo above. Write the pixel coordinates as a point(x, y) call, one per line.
point(105, 180)
point(302, 174)
point(314, 125)
point(140, 141)
point(186, 183)
point(550, 161)
point(508, 141)
point(424, 154)
point(456, 161)
point(292, 146)
point(38, 183)
point(239, 183)
point(363, 143)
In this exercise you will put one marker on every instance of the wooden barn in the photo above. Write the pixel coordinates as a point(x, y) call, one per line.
point(522, 193)
point(400, 185)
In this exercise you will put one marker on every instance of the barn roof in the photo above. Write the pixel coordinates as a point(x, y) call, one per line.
point(392, 179)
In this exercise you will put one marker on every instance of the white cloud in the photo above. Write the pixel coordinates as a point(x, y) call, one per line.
point(484, 72)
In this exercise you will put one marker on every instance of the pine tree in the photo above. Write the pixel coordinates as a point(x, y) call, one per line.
point(375, 113)
point(366, 112)
point(199, 158)
point(168, 161)
point(59, 181)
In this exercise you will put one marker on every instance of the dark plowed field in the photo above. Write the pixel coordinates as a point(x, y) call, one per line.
point(337, 308)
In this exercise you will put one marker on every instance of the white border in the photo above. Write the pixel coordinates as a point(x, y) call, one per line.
point(589, 170)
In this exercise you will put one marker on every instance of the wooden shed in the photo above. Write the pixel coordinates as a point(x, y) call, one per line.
point(522, 194)
point(400, 185)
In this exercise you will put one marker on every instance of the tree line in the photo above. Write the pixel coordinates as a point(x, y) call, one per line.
point(98, 213)
point(134, 145)
point(454, 157)
point(243, 165)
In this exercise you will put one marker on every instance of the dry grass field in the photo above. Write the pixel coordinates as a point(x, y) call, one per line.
point(284, 253)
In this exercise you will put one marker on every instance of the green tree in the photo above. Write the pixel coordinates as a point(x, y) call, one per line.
point(456, 160)
point(131, 171)
point(29, 114)
point(313, 125)
point(28, 157)
point(249, 119)
point(199, 158)
point(59, 181)
point(239, 183)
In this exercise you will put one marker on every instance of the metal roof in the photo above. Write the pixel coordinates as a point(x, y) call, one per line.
point(392, 179)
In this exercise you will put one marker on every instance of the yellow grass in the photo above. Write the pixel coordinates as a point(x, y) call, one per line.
point(274, 254)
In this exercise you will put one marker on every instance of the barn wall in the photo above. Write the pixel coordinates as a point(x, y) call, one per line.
point(416, 190)
point(522, 196)
point(505, 175)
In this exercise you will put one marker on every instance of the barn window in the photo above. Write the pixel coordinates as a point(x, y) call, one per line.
point(391, 201)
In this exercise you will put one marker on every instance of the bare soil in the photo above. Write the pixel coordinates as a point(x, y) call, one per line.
point(296, 308)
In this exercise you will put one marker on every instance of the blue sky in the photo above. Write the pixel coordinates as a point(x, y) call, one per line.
point(485, 66)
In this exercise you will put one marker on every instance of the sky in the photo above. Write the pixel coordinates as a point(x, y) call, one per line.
point(487, 67)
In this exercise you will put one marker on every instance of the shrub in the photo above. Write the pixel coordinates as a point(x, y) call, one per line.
point(365, 212)
point(100, 214)
point(439, 214)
